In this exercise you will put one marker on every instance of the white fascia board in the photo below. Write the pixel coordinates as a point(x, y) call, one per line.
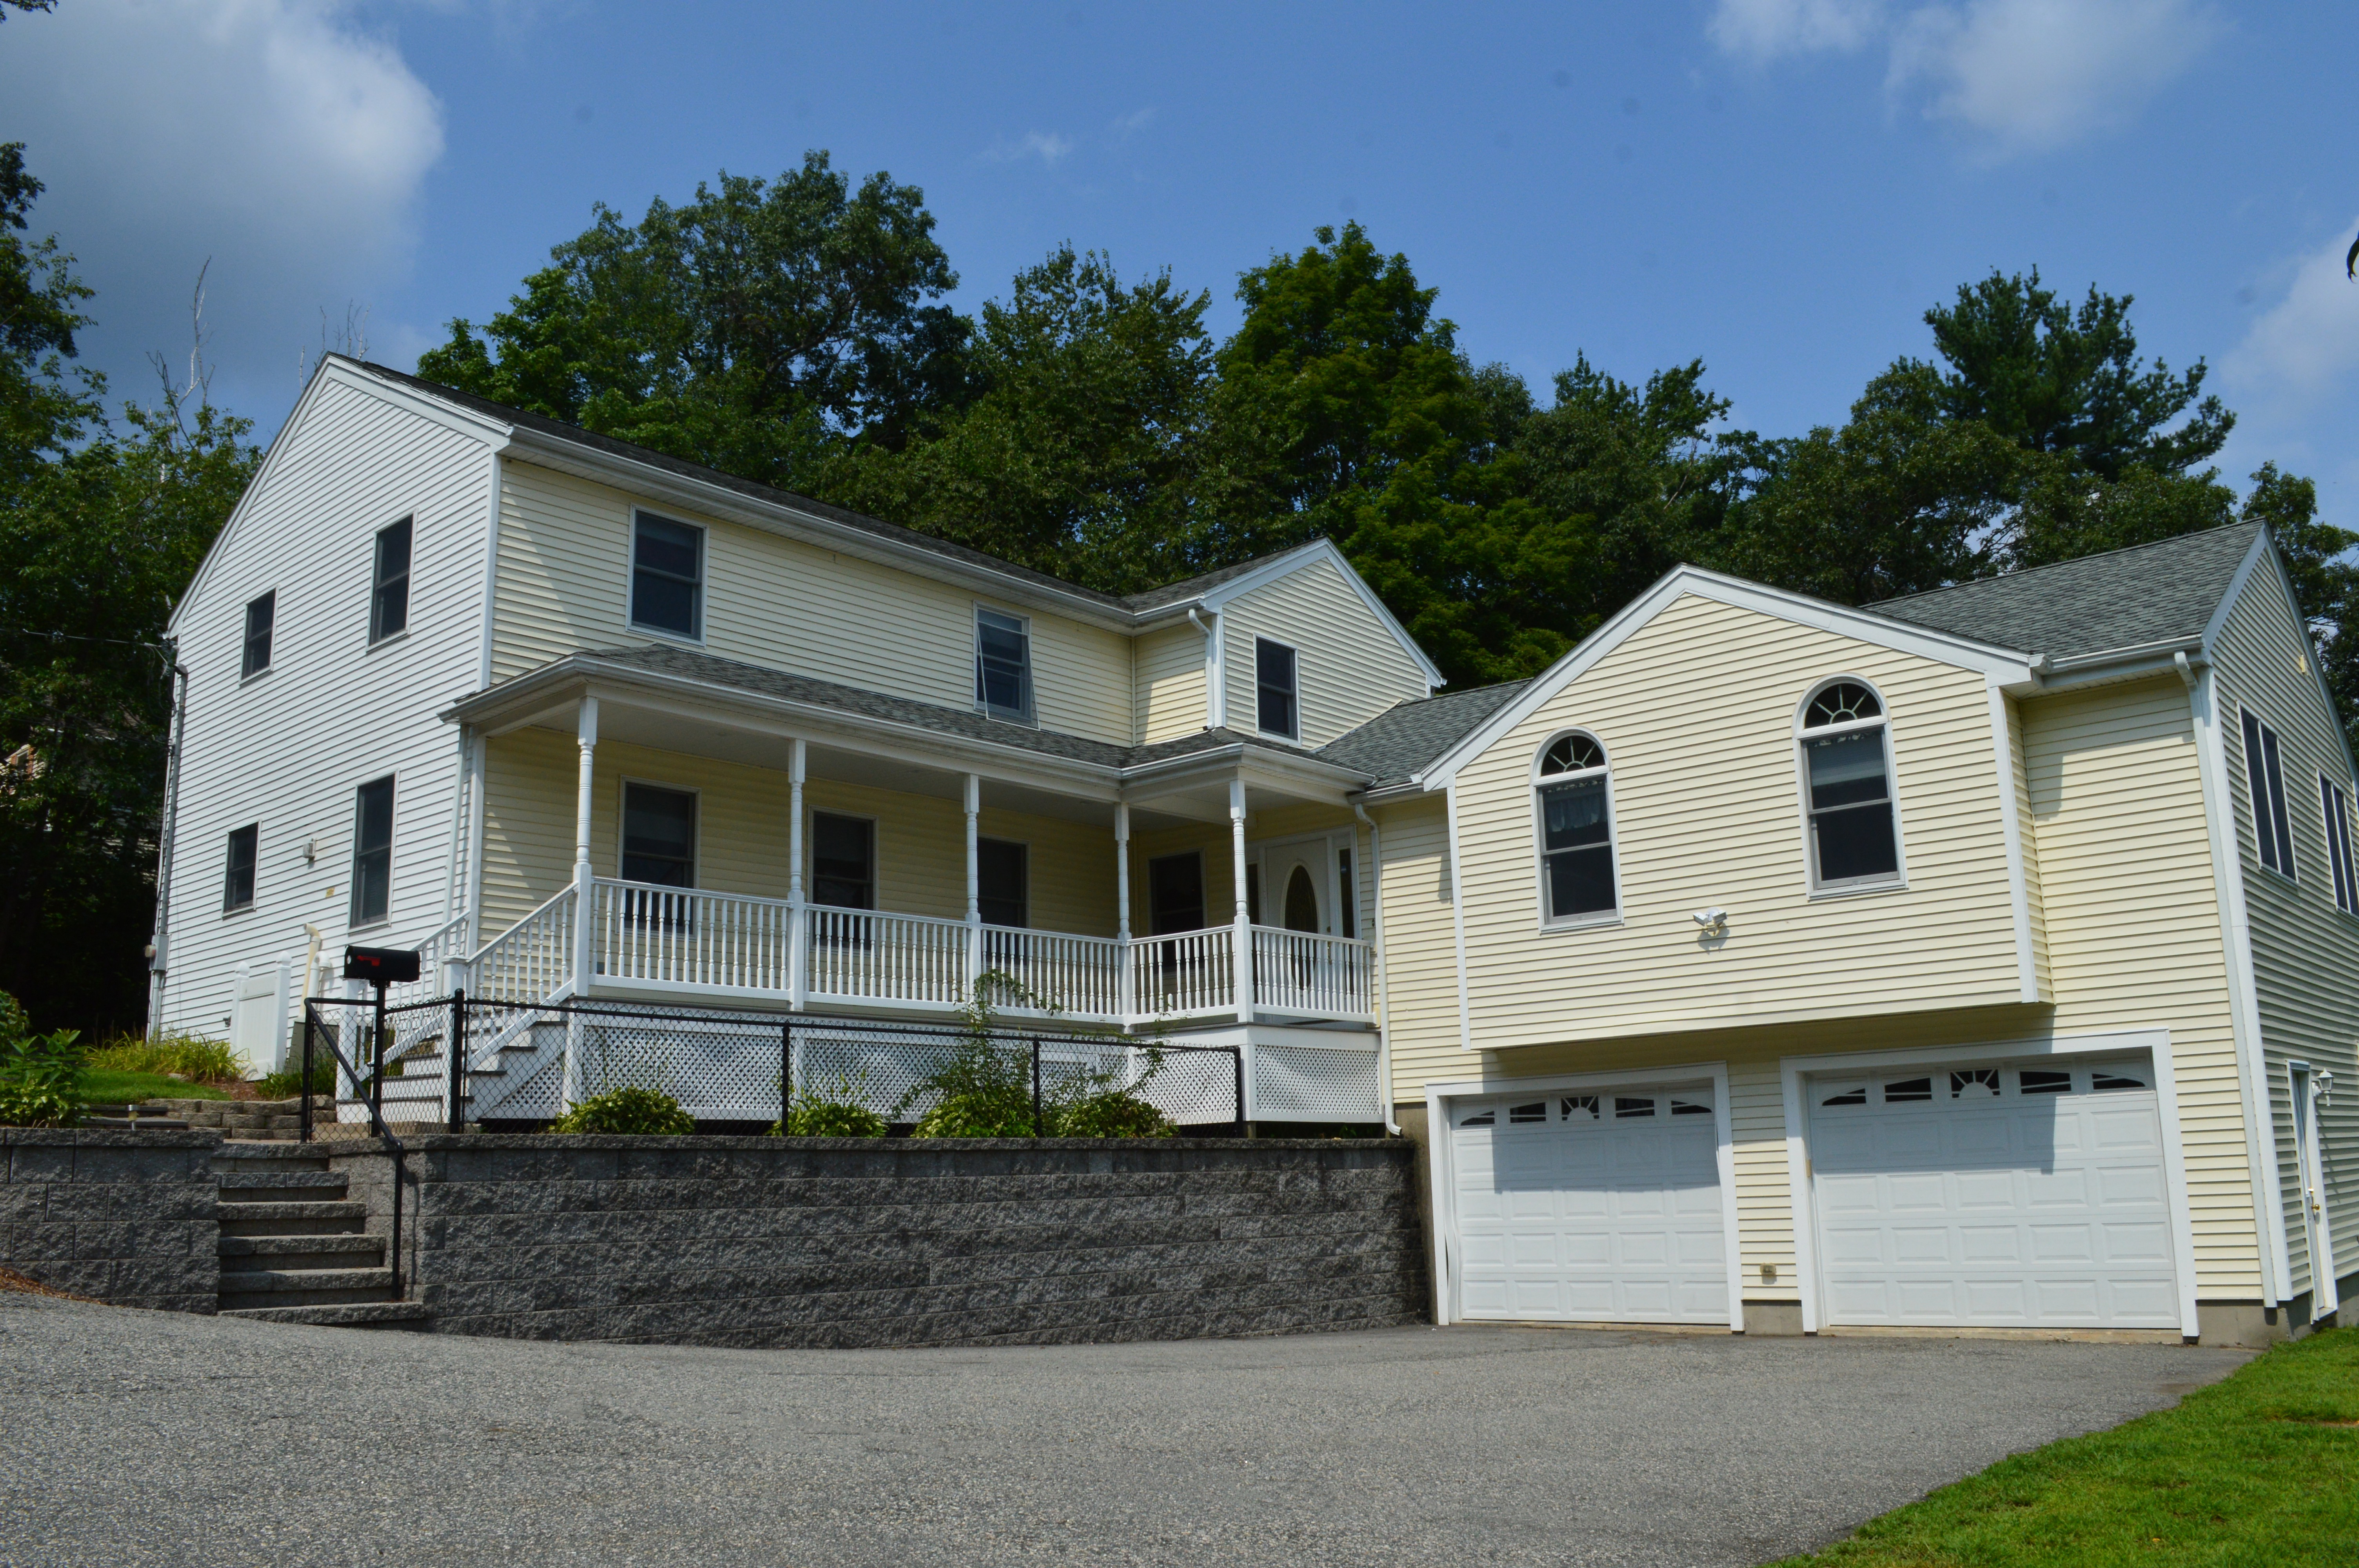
point(333, 370)
point(2000, 666)
point(1293, 561)
point(2293, 608)
point(649, 481)
point(409, 399)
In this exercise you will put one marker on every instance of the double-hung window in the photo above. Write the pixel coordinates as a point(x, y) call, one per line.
point(1847, 779)
point(237, 883)
point(1001, 889)
point(659, 836)
point(667, 575)
point(389, 582)
point(2272, 829)
point(2337, 807)
point(1003, 665)
point(1276, 697)
point(844, 861)
point(1575, 805)
point(261, 616)
point(372, 852)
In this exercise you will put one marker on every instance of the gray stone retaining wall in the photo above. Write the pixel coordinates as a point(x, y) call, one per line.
point(124, 1217)
point(777, 1241)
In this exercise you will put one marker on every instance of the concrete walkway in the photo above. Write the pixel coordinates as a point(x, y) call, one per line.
point(136, 1437)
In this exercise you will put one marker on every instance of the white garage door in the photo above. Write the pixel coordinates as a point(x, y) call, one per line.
point(1589, 1208)
point(2005, 1197)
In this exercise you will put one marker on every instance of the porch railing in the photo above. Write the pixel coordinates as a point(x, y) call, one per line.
point(687, 941)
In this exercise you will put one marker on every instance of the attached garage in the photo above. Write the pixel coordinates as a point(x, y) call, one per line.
point(2030, 1195)
point(1597, 1205)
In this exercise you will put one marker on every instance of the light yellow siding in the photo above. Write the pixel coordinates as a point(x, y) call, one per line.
point(2305, 950)
point(2042, 975)
point(742, 835)
point(564, 581)
point(1420, 965)
point(1696, 713)
point(1348, 666)
point(1171, 683)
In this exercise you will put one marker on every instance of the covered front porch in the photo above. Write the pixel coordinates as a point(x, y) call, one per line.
point(782, 847)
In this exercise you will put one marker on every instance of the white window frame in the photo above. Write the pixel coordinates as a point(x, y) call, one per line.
point(254, 872)
point(2265, 791)
point(812, 814)
point(1294, 653)
point(2334, 808)
point(352, 921)
point(1849, 887)
point(1590, 918)
point(1031, 714)
point(245, 633)
point(703, 579)
point(408, 583)
point(622, 817)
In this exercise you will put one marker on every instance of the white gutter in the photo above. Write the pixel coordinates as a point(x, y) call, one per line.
point(1216, 674)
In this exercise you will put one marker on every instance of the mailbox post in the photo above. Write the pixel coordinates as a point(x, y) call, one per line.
point(380, 966)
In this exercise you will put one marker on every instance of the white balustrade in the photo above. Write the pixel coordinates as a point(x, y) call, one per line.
point(1190, 972)
point(532, 960)
point(862, 955)
point(1309, 975)
point(1074, 977)
point(683, 939)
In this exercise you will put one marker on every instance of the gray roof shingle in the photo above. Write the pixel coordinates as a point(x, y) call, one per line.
point(1393, 745)
point(2122, 599)
point(1137, 603)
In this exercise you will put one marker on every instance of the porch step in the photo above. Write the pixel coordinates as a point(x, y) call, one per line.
point(327, 1217)
point(345, 1315)
point(304, 1287)
point(279, 1254)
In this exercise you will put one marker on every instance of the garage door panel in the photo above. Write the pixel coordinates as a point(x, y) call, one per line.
point(1992, 1204)
point(1608, 1210)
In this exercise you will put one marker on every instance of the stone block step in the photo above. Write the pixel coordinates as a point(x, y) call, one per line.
point(280, 1186)
point(269, 1156)
point(327, 1217)
point(281, 1254)
point(349, 1314)
point(134, 1124)
point(304, 1287)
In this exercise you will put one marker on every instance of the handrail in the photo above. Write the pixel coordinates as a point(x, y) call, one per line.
point(532, 960)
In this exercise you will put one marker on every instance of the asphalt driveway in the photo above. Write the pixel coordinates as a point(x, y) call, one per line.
point(135, 1437)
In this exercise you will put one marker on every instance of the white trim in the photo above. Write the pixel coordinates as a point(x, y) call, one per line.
point(1294, 560)
point(2310, 1178)
point(703, 579)
point(1442, 1161)
point(623, 783)
point(2327, 708)
point(2154, 1042)
point(1995, 664)
point(1031, 719)
point(1294, 655)
point(2227, 605)
point(2010, 816)
point(1814, 889)
point(2334, 815)
point(1589, 919)
point(2273, 787)
point(1457, 919)
point(371, 642)
point(490, 576)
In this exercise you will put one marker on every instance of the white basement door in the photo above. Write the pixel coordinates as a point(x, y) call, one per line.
point(1999, 1198)
point(1589, 1208)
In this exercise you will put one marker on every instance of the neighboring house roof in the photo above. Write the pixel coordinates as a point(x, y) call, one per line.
point(1396, 745)
point(557, 429)
point(2163, 592)
point(756, 680)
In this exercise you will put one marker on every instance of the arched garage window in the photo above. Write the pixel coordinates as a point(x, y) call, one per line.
point(1847, 786)
point(1575, 808)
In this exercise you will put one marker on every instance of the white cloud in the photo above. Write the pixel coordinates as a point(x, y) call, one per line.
point(2021, 74)
point(2032, 74)
point(271, 136)
point(1048, 146)
point(2309, 340)
point(1763, 30)
point(1130, 125)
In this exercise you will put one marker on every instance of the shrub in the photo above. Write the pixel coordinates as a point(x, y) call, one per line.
point(287, 1081)
point(1110, 1114)
point(41, 1075)
point(984, 1090)
point(190, 1056)
point(628, 1109)
point(838, 1113)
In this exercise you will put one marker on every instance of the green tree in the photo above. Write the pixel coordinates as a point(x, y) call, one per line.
point(100, 529)
point(1077, 454)
point(755, 329)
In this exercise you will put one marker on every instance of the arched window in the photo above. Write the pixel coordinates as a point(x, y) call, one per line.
point(1575, 809)
point(1847, 779)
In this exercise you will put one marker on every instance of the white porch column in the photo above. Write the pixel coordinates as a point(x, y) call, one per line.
point(585, 734)
point(1124, 980)
point(797, 915)
point(1243, 939)
point(973, 882)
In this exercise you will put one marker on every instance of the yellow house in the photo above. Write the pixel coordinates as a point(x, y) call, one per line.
point(1981, 960)
point(1798, 967)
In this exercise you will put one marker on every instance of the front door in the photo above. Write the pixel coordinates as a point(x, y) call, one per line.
point(2323, 1298)
point(1296, 890)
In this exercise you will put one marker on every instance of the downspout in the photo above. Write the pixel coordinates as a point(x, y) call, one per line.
point(1384, 995)
point(159, 946)
point(1216, 684)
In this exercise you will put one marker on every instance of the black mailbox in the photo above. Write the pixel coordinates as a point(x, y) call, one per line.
point(381, 966)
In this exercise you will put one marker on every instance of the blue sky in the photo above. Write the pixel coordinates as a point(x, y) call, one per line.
point(1778, 187)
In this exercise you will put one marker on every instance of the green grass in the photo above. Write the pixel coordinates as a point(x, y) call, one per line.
point(2263, 1468)
point(103, 1086)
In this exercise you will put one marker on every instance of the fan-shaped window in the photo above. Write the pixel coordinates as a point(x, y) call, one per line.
point(1575, 807)
point(1581, 1104)
point(1847, 779)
